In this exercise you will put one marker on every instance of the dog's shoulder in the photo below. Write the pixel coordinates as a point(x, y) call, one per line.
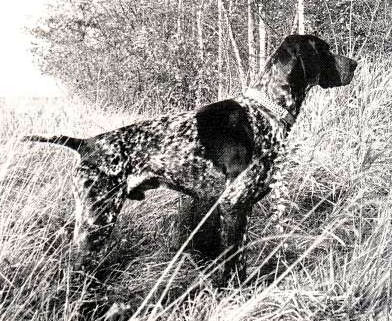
point(227, 118)
point(225, 132)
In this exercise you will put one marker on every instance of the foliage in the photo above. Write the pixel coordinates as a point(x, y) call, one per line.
point(143, 55)
point(124, 53)
point(354, 27)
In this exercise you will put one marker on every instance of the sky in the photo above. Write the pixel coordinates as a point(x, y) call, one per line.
point(19, 76)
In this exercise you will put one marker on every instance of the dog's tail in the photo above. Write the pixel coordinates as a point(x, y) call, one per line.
point(70, 142)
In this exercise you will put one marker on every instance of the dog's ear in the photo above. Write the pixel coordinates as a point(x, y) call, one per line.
point(299, 58)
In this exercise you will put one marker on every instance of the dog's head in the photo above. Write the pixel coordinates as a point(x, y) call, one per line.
point(307, 60)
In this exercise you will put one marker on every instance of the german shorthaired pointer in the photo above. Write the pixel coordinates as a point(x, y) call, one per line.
point(228, 146)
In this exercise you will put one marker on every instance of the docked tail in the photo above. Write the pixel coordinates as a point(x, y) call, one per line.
point(70, 142)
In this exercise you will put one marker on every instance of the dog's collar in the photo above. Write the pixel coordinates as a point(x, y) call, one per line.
point(262, 100)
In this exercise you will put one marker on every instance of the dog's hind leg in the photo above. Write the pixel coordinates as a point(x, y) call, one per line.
point(99, 199)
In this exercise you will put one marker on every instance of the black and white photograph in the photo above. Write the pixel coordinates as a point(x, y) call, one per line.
point(196, 160)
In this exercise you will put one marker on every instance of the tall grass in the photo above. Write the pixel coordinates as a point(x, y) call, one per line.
point(332, 255)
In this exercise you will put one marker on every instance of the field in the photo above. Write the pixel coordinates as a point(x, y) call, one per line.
point(329, 257)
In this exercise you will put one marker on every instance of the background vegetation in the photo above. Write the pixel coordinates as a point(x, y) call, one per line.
point(159, 55)
point(328, 258)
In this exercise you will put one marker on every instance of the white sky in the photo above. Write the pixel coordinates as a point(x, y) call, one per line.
point(18, 75)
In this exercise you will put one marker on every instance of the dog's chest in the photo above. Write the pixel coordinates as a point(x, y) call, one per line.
point(268, 134)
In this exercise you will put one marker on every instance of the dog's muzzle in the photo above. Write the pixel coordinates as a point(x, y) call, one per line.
point(346, 67)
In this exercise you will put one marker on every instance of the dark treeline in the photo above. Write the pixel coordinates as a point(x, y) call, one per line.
point(177, 54)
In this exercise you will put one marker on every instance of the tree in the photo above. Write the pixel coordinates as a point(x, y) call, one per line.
point(220, 49)
point(252, 65)
point(301, 18)
point(131, 54)
point(262, 38)
point(241, 72)
point(162, 55)
point(200, 39)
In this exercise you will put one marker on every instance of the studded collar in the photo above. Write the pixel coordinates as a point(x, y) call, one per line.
point(262, 100)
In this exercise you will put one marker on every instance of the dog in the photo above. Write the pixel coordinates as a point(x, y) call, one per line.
point(228, 146)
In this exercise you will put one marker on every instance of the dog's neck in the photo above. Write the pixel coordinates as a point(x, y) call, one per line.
point(274, 82)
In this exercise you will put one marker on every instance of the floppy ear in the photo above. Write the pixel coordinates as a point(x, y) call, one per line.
point(305, 56)
point(297, 76)
point(308, 58)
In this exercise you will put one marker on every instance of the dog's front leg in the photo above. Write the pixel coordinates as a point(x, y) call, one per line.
point(235, 208)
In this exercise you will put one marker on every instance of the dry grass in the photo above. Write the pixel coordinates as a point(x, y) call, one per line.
point(333, 254)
